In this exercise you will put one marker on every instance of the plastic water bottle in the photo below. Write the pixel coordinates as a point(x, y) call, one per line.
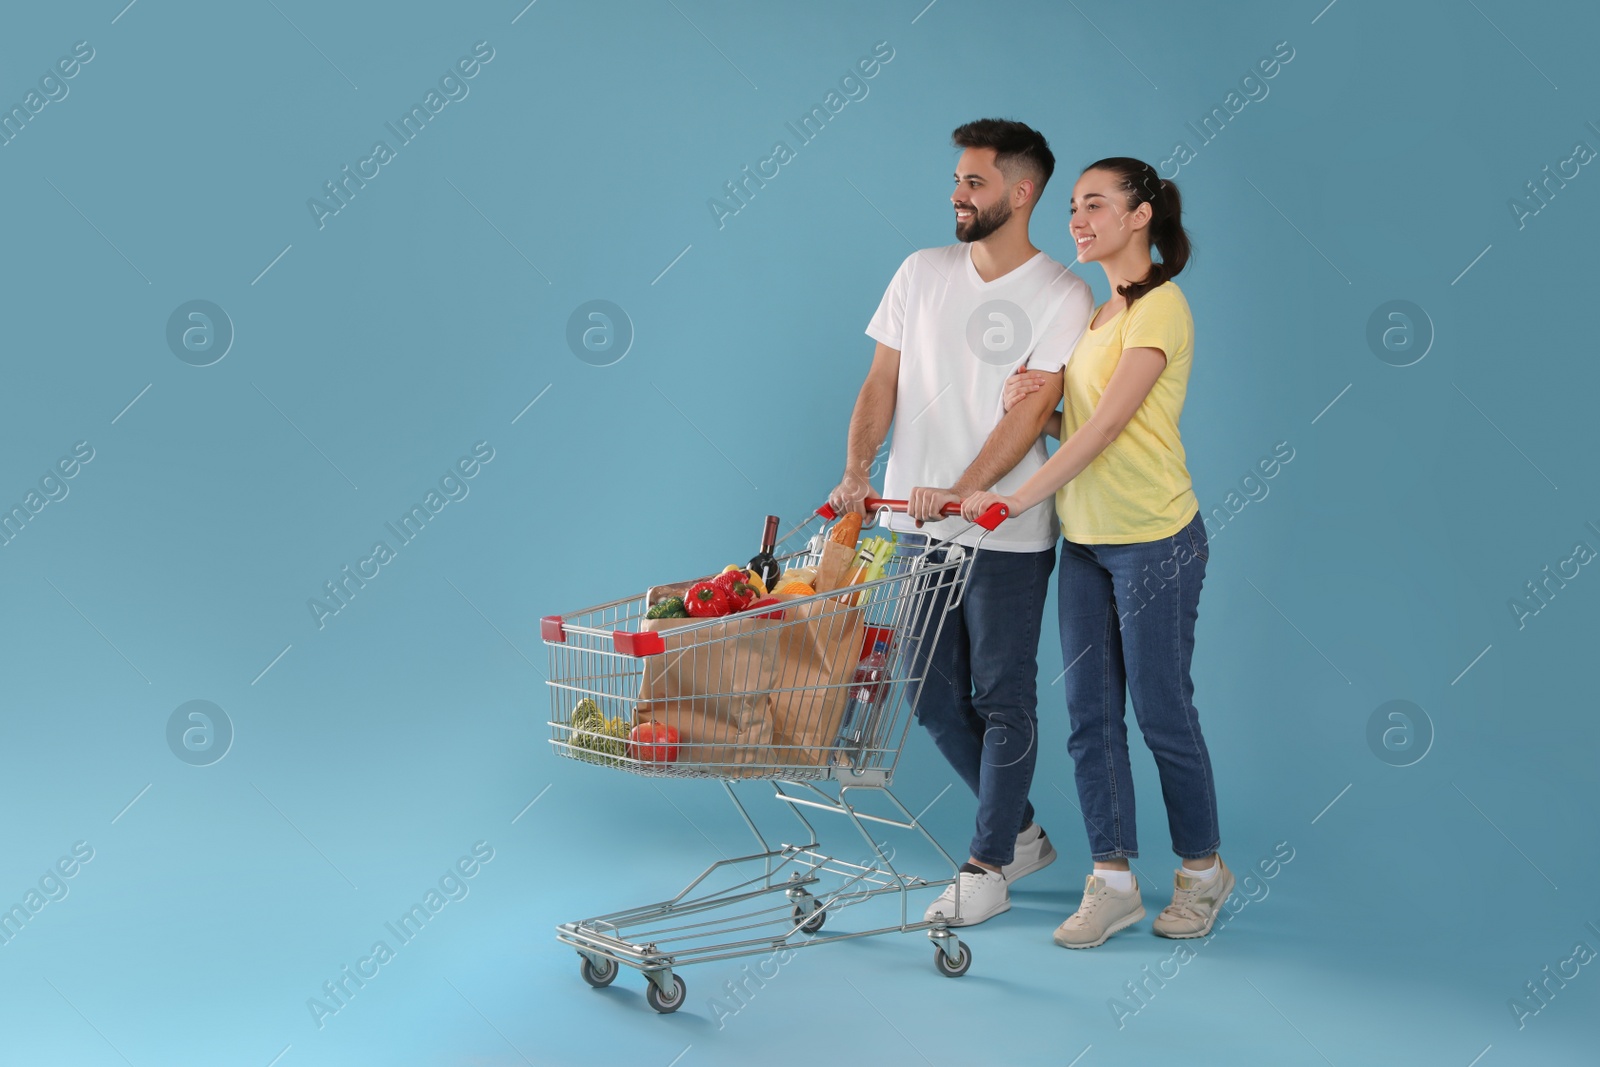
point(867, 689)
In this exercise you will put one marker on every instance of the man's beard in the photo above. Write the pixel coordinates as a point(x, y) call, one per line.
point(983, 223)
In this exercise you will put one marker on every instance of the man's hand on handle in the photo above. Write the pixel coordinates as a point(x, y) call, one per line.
point(849, 494)
point(926, 505)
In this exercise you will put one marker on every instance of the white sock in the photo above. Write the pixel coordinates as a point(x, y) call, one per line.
point(1205, 875)
point(1121, 881)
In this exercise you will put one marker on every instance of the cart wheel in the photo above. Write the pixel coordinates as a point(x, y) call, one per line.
point(956, 969)
point(599, 974)
point(814, 923)
point(667, 1005)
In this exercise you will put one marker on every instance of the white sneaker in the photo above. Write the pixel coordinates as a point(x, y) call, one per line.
point(1034, 851)
point(983, 896)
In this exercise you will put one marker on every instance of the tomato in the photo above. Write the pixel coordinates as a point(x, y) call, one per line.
point(654, 742)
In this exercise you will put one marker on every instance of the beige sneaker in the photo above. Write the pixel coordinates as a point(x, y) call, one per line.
point(1194, 905)
point(1103, 912)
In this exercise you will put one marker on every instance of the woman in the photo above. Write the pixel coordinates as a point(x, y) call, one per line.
point(1133, 554)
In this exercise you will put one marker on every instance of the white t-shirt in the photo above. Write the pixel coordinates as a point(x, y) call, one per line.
point(959, 338)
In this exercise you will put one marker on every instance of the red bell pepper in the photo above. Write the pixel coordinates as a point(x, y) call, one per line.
point(768, 607)
point(741, 594)
point(707, 600)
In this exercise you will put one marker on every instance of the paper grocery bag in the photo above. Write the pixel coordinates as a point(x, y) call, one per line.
point(833, 569)
point(713, 685)
point(819, 645)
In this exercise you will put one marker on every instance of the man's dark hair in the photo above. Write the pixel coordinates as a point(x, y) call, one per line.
point(1020, 151)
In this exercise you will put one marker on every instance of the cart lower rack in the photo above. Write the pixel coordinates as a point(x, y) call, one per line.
point(769, 694)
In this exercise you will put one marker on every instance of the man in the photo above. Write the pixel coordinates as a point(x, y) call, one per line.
point(953, 324)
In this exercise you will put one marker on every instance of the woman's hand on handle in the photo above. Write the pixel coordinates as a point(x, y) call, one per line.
point(977, 503)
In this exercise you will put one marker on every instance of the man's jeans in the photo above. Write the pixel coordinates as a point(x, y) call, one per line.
point(979, 701)
point(1127, 621)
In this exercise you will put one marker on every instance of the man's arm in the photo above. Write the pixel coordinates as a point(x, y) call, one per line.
point(869, 425)
point(1007, 443)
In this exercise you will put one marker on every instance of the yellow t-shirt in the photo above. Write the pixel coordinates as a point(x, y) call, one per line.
point(1138, 489)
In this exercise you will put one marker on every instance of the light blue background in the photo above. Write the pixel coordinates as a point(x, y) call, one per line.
point(430, 311)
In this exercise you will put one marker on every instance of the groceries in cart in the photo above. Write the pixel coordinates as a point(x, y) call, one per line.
point(745, 671)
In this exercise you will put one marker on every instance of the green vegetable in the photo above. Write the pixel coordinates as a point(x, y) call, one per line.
point(600, 738)
point(873, 558)
point(668, 608)
point(587, 715)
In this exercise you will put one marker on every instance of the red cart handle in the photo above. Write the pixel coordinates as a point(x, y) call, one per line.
point(993, 516)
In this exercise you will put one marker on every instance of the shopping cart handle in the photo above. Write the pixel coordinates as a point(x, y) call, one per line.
point(992, 517)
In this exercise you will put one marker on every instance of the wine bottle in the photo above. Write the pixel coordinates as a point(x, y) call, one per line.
point(764, 563)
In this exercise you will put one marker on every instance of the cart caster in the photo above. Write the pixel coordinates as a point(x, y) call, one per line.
point(954, 969)
point(599, 974)
point(814, 923)
point(807, 912)
point(664, 1004)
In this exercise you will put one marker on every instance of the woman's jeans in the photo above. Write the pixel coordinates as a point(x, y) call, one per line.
point(1127, 622)
point(979, 699)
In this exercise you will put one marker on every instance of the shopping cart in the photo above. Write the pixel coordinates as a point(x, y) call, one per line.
point(607, 665)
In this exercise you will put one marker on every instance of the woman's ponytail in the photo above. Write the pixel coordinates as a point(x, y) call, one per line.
point(1167, 235)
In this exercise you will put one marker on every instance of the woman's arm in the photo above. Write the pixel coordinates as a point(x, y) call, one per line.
point(1130, 383)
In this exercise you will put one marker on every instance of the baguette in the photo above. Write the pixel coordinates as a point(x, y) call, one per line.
point(847, 530)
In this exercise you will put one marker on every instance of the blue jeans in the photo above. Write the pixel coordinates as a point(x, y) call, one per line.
point(979, 700)
point(1127, 622)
